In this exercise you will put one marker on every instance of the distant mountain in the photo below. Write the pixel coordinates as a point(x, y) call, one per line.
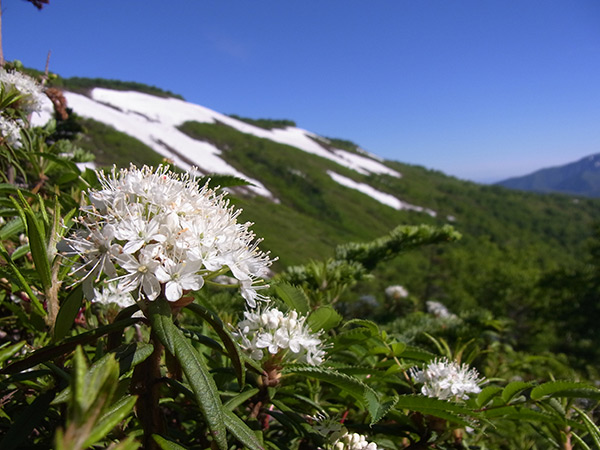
point(578, 178)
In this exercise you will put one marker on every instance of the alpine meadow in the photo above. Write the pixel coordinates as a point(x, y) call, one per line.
point(177, 278)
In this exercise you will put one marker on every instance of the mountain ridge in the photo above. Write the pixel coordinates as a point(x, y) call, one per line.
point(581, 177)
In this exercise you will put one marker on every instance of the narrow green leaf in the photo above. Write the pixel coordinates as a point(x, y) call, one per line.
point(127, 356)
point(293, 297)
point(383, 409)
point(230, 345)
point(11, 228)
point(362, 323)
point(79, 397)
point(353, 386)
point(241, 398)
point(241, 431)
point(486, 394)
point(194, 367)
point(592, 428)
point(513, 389)
point(37, 306)
point(20, 252)
point(9, 351)
point(36, 233)
point(565, 389)
point(111, 419)
point(581, 442)
point(323, 318)
point(166, 444)
point(68, 312)
point(434, 406)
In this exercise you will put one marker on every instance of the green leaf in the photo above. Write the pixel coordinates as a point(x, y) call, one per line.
point(127, 356)
point(166, 444)
point(362, 323)
point(486, 395)
point(7, 352)
point(324, 318)
point(295, 298)
point(513, 389)
point(68, 312)
point(440, 408)
point(111, 419)
point(241, 431)
point(241, 398)
point(11, 228)
point(592, 428)
point(194, 367)
point(353, 386)
point(565, 389)
point(37, 306)
point(37, 242)
point(20, 252)
point(381, 409)
point(230, 345)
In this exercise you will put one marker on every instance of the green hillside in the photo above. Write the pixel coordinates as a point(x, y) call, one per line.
point(511, 240)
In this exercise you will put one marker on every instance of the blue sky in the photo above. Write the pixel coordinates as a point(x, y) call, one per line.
point(479, 89)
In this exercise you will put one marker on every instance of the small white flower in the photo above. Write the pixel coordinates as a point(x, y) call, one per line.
point(271, 332)
point(140, 272)
point(445, 379)
point(179, 277)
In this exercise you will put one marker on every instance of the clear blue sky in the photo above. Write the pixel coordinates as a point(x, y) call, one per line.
point(479, 89)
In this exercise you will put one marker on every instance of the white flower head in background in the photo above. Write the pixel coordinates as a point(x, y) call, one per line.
point(438, 310)
point(354, 441)
point(29, 89)
point(396, 292)
point(446, 379)
point(155, 232)
point(271, 333)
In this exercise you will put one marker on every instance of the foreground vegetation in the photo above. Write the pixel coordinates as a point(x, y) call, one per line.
point(117, 334)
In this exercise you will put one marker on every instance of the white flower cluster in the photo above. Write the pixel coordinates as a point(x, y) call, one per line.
point(439, 310)
point(10, 130)
point(271, 332)
point(30, 90)
point(154, 232)
point(396, 292)
point(111, 293)
point(354, 441)
point(445, 379)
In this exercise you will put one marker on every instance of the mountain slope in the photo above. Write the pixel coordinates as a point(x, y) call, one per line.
point(578, 178)
point(313, 193)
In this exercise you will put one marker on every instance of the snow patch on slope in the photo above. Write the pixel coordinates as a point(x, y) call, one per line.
point(158, 132)
point(175, 112)
point(381, 197)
